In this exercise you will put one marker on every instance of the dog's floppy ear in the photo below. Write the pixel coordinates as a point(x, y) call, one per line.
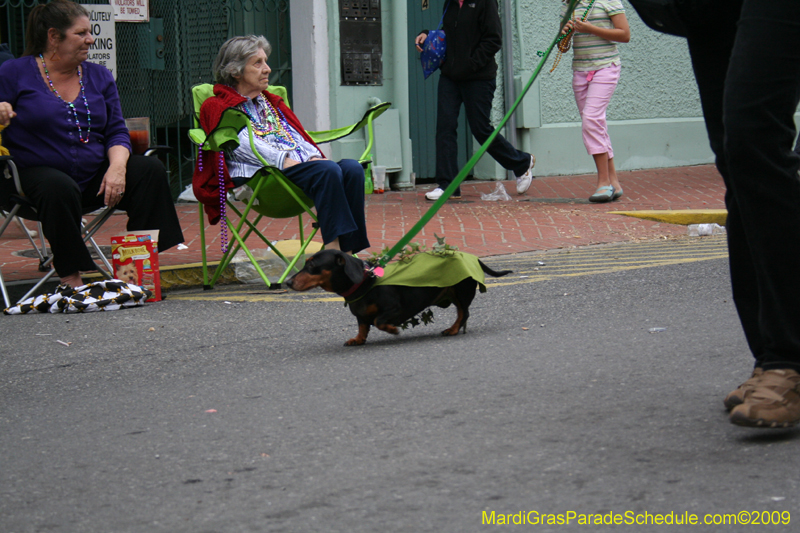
point(353, 267)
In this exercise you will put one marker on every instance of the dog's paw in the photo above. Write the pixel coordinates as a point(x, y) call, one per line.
point(388, 328)
point(449, 332)
point(355, 342)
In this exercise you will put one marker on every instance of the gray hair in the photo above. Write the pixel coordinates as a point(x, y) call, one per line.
point(233, 55)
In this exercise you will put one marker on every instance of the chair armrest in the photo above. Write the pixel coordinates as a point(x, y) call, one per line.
point(158, 149)
point(327, 136)
point(9, 171)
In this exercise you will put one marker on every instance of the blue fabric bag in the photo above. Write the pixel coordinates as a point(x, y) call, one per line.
point(434, 49)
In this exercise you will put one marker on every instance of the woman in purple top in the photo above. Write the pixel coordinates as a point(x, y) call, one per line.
point(66, 133)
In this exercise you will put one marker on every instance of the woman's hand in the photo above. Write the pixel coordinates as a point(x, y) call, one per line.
point(289, 162)
point(6, 113)
point(420, 40)
point(113, 185)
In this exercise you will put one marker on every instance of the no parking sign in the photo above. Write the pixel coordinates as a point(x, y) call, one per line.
point(103, 51)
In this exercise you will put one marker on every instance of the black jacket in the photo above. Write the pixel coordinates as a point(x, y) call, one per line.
point(474, 36)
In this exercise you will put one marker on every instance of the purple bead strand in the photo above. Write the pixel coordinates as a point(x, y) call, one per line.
point(223, 230)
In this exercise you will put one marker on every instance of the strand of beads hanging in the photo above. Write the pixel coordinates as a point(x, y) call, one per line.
point(223, 210)
point(565, 40)
point(70, 105)
point(266, 120)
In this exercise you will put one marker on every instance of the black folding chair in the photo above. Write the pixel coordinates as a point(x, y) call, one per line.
point(15, 205)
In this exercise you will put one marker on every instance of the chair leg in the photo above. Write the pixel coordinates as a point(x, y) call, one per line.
point(31, 233)
point(39, 283)
point(206, 285)
point(89, 230)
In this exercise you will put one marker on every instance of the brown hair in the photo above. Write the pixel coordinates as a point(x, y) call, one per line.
point(58, 14)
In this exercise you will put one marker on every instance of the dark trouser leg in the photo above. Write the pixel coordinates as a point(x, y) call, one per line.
point(762, 92)
point(448, 107)
point(478, 96)
point(353, 181)
point(337, 190)
point(710, 52)
point(58, 201)
point(147, 201)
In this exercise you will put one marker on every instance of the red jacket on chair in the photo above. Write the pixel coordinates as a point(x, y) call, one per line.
point(205, 180)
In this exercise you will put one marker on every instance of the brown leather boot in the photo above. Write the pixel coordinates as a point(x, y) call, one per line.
point(773, 403)
point(737, 397)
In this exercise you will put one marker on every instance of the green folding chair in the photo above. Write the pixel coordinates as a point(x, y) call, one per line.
point(274, 195)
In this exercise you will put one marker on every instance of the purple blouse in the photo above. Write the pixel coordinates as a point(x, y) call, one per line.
point(44, 132)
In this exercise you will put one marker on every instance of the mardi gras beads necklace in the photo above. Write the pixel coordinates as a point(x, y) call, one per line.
point(565, 41)
point(70, 104)
point(268, 121)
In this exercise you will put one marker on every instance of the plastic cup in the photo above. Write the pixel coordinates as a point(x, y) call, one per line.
point(139, 129)
point(379, 178)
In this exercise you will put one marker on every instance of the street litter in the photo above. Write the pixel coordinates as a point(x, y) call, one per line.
point(63, 343)
point(498, 194)
point(701, 230)
point(657, 330)
point(182, 246)
point(187, 195)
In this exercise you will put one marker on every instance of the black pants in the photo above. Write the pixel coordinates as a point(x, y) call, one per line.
point(477, 98)
point(746, 58)
point(60, 204)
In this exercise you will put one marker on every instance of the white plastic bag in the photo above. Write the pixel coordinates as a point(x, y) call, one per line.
point(187, 195)
point(498, 194)
point(272, 265)
point(700, 230)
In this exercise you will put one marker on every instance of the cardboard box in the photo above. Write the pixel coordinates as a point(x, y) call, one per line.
point(134, 258)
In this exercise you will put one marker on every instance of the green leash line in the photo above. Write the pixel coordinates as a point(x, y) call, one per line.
point(405, 239)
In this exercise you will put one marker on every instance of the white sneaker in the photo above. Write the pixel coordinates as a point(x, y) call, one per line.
point(524, 181)
point(435, 194)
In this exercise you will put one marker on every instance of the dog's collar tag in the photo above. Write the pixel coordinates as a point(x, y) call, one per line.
point(378, 271)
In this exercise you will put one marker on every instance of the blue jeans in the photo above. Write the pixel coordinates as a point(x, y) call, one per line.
point(337, 190)
point(746, 58)
point(477, 98)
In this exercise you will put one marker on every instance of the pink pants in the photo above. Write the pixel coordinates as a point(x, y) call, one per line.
point(593, 91)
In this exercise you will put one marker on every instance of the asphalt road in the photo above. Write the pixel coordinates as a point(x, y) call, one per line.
point(589, 382)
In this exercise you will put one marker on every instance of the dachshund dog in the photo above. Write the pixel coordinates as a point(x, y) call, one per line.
point(385, 306)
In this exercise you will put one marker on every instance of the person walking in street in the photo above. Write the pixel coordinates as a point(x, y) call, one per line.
point(468, 77)
point(595, 27)
point(746, 60)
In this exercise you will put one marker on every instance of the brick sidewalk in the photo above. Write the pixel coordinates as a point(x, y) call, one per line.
point(553, 214)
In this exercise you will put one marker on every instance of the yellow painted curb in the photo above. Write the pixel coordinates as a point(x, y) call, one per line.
point(682, 217)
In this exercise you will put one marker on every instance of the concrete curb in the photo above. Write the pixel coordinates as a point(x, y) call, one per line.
point(681, 217)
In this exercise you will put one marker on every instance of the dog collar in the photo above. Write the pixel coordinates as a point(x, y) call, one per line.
point(357, 291)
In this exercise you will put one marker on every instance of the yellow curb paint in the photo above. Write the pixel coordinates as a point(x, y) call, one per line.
point(682, 217)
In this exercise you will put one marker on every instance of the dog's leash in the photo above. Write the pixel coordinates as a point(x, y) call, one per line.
point(405, 239)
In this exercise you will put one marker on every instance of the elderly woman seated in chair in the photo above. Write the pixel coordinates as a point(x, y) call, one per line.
point(66, 133)
point(337, 189)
